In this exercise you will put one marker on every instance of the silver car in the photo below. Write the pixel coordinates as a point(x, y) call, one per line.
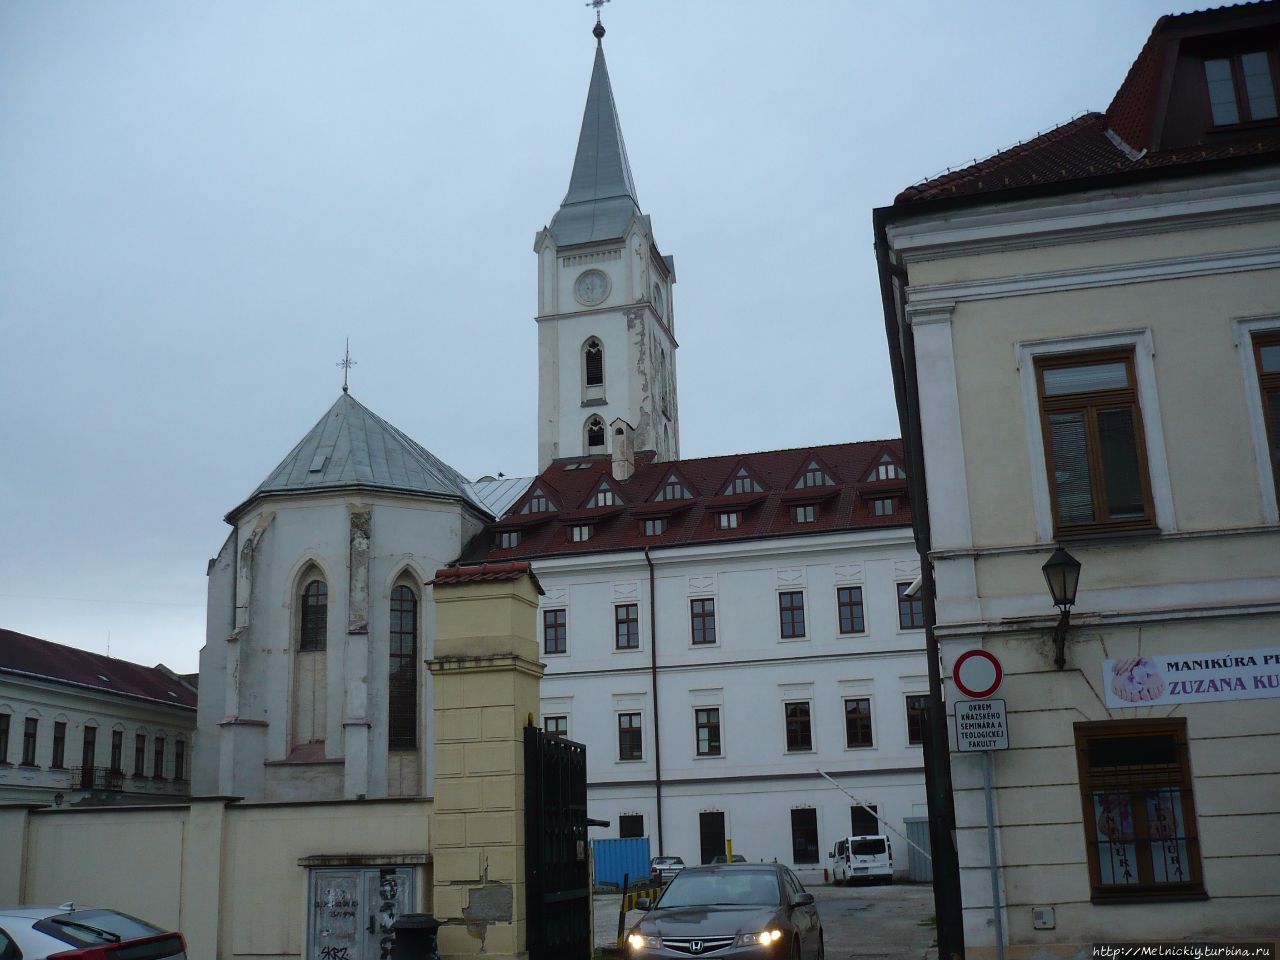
point(730, 910)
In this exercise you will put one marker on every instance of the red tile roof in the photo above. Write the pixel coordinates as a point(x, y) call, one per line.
point(568, 483)
point(31, 656)
point(1125, 138)
point(487, 573)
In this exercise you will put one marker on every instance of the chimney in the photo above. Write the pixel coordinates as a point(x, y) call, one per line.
point(624, 449)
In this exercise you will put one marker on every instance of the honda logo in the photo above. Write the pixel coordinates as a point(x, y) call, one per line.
point(695, 946)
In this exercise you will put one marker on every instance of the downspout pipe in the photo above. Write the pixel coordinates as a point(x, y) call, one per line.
point(948, 906)
point(653, 686)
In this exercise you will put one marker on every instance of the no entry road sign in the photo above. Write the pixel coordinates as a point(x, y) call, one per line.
point(977, 674)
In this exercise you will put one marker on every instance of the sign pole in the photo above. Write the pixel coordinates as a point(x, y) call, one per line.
point(987, 764)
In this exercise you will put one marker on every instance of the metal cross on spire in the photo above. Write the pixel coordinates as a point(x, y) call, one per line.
point(346, 363)
point(599, 27)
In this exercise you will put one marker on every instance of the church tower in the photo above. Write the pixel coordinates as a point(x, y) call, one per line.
point(606, 327)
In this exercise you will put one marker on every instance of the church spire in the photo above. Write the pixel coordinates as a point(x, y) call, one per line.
point(602, 195)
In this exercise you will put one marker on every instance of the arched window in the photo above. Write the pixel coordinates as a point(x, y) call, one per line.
point(595, 435)
point(402, 684)
point(309, 710)
point(593, 357)
point(314, 621)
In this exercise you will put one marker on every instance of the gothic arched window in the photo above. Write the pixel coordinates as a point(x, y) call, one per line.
point(313, 624)
point(402, 684)
point(310, 707)
point(595, 435)
point(593, 356)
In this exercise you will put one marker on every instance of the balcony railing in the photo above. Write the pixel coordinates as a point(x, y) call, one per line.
point(97, 778)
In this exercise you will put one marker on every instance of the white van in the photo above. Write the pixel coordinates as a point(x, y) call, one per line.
point(867, 858)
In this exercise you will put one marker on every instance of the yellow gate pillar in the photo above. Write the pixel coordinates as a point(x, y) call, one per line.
point(486, 676)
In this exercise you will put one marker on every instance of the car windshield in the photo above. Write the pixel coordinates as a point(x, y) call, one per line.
point(700, 889)
point(868, 848)
point(666, 861)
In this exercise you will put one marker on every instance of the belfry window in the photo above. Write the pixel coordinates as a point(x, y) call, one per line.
point(402, 683)
point(593, 357)
point(315, 616)
point(595, 435)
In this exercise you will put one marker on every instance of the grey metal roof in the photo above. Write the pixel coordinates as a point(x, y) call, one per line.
point(602, 196)
point(352, 446)
point(497, 496)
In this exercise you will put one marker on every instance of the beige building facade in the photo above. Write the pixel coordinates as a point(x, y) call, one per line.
point(1087, 359)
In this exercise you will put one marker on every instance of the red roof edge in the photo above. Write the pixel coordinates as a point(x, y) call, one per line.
point(1131, 114)
point(509, 571)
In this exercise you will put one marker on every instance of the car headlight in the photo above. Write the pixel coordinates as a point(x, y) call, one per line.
point(639, 941)
point(762, 939)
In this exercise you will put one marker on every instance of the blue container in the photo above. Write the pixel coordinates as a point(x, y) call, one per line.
point(621, 857)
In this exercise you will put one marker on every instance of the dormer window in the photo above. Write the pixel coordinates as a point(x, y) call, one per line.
point(814, 476)
point(673, 489)
point(508, 539)
point(655, 527)
point(742, 482)
point(605, 498)
point(886, 469)
point(1242, 88)
point(580, 533)
point(538, 503)
point(884, 507)
point(805, 513)
point(728, 520)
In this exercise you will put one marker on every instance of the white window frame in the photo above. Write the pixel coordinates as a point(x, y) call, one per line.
point(871, 708)
point(804, 607)
point(1142, 345)
point(719, 708)
point(788, 699)
point(618, 711)
point(1245, 330)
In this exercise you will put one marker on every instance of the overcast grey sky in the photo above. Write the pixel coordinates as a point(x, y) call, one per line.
point(199, 201)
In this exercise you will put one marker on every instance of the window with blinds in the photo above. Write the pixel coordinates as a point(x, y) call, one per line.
point(1094, 446)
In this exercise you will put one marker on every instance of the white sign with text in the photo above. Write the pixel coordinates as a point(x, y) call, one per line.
point(1192, 677)
point(981, 725)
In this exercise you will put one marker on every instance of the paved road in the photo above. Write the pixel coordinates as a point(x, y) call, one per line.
point(859, 923)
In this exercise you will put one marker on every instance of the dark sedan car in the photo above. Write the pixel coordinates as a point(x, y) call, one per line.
point(731, 910)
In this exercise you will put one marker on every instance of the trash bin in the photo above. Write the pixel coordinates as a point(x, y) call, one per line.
point(415, 937)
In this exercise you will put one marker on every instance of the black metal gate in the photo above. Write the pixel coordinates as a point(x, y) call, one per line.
point(555, 825)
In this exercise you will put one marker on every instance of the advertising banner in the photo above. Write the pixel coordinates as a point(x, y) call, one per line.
point(1192, 677)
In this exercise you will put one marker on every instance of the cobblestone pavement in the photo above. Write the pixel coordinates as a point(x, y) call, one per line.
point(859, 923)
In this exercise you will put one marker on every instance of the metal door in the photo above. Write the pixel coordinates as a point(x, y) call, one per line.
point(556, 871)
point(353, 910)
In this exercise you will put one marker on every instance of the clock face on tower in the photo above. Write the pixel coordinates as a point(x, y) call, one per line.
point(591, 288)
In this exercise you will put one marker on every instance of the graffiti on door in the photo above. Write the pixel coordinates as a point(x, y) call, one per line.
point(354, 910)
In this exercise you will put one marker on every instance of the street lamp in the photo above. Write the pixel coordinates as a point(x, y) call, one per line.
point(1062, 574)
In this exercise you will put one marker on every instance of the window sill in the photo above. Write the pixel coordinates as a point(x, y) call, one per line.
point(1116, 900)
point(630, 760)
point(1068, 537)
point(800, 638)
point(30, 766)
